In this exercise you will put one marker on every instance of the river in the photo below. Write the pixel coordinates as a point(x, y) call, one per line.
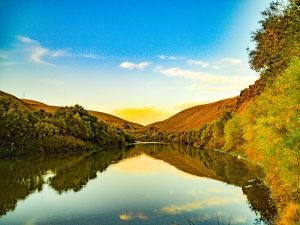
point(141, 184)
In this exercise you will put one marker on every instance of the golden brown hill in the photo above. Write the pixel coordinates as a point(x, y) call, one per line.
point(113, 120)
point(17, 102)
point(195, 117)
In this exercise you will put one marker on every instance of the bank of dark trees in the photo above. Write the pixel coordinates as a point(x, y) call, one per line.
point(68, 129)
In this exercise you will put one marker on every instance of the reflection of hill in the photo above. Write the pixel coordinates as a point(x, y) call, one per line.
point(74, 172)
point(212, 164)
point(218, 166)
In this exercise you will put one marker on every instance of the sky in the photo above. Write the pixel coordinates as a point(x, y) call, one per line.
point(141, 60)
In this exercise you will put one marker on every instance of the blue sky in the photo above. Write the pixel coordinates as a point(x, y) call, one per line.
point(142, 60)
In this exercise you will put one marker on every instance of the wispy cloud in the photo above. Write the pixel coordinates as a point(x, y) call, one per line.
point(170, 57)
point(89, 56)
point(204, 78)
point(39, 54)
point(201, 63)
point(227, 62)
point(134, 66)
point(218, 64)
point(26, 40)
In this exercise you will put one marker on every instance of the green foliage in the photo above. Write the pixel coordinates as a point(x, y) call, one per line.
point(233, 133)
point(68, 129)
point(277, 40)
point(273, 127)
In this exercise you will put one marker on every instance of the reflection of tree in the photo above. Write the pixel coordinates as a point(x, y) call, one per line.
point(74, 172)
point(219, 166)
point(76, 176)
point(21, 177)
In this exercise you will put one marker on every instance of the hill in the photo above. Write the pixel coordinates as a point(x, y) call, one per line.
point(194, 117)
point(17, 102)
point(113, 120)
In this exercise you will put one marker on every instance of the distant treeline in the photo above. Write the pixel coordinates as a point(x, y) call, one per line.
point(69, 129)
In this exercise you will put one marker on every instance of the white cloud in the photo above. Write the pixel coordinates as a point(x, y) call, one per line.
point(133, 66)
point(206, 78)
point(219, 64)
point(89, 56)
point(39, 54)
point(227, 62)
point(201, 63)
point(26, 40)
point(171, 57)
point(59, 53)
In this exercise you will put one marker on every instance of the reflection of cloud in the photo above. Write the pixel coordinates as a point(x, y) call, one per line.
point(180, 208)
point(238, 220)
point(30, 222)
point(144, 115)
point(204, 217)
point(175, 209)
point(133, 215)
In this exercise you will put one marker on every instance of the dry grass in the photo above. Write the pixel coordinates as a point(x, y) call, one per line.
point(195, 117)
point(290, 215)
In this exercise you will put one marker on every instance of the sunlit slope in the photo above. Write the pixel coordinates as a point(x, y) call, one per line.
point(195, 117)
point(114, 120)
point(17, 102)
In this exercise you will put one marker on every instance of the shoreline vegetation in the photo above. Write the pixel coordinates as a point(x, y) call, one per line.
point(67, 130)
point(263, 126)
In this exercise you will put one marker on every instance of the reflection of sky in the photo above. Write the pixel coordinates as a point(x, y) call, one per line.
point(141, 190)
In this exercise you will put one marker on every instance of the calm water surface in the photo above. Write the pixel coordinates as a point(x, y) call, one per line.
point(144, 184)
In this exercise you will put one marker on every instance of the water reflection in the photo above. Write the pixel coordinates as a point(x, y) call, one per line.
point(138, 186)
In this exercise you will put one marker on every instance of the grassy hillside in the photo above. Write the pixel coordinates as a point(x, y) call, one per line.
point(195, 117)
point(17, 102)
point(113, 120)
